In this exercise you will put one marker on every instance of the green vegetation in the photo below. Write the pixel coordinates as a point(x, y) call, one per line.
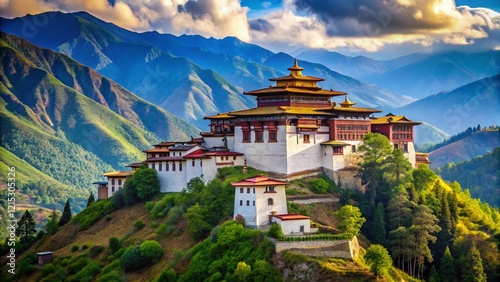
point(319, 186)
point(25, 230)
point(350, 219)
point(230, 253)
point(426, 218)
point(275, 231)
point(378, 258)
point(480, 175)
point(66, 215)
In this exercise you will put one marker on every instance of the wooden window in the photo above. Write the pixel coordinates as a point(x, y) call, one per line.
point(254, 190)
point(248, 190)
point(113, 189)
point(112, 181)
point(167, 166)
point(353, 148)
point(173, 166)
point(192, 162)
point(270, 202)
point(338, 150)
point(273, 136)
point(246, 136)
point(248, 203)
point(307, 138)
point(153, 166)
point(180, 166)
point(160, 167)
point(259, 136)
point(241, 190)
point(254, 203)
point(406, 148)
point(241, 202)
point(119, 182)
point(201, 162)
point(270, 189)
point(234, 158)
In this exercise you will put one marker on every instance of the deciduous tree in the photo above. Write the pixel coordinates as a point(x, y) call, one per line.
point(350, 218)
point(378, 259)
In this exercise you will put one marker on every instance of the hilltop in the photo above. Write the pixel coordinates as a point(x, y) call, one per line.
point(477, 144)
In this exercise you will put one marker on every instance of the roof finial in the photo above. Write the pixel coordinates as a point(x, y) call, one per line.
point(295, 70)
point(295, 63)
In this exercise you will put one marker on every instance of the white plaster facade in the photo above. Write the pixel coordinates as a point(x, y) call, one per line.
point(293, 224)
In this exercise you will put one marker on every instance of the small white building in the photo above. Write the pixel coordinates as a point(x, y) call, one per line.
point(258, 198)
point(293, 223)
point(262, 201)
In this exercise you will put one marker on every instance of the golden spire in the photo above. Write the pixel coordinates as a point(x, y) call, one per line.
point(295, 70)
point(347, 103)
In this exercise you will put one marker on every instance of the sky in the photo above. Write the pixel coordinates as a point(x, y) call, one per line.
point(376, 28)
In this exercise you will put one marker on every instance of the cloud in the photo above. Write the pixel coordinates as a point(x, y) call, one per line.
point(218, 18)
point(370, 25)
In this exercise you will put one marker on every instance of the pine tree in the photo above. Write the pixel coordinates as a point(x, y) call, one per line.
point(447, 267)
point(66, 216)
point(399, 210)
point(474, 272)
point(91, 199)
point(378, 226)
point(26, 228)
point(444, 237)
point(52, 225)
point(433, 275)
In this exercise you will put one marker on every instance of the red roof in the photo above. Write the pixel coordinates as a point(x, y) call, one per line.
point(205, 154)
point(259, 181)
point(291, 216)
point(164, 159)
point(196, 154)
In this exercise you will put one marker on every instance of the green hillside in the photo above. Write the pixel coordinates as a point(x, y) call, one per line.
point(481, 175)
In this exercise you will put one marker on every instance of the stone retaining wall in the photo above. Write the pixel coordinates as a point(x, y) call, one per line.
point(327, 248)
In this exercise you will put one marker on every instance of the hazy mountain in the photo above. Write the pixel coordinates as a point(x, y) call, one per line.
point(465, 149)
point(358, 67)
point(467, 106)
point(430, 74)
point(359, 92)
point(417, 75)
point(174, 83)
point(429, 134)
point(69, 122)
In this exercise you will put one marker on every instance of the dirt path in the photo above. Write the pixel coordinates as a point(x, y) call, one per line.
point(315, 200)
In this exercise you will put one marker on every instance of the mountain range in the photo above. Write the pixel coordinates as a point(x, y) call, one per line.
point(190, 76)
point(417, 75)
point(60, 116)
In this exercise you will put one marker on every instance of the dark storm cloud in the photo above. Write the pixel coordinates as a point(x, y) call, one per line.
point(375, 17)
point(261, 25)
point(197, 9)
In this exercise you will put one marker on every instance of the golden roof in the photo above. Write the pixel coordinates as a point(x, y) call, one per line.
point(347, 103)
point(280, 110)
point(283, 90)
point(390, 119)
point(157, 150)
point(118, 174)
point(335, 143)
point(356, 110)
point(220, 116)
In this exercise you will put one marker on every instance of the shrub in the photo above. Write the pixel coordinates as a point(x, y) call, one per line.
point(319, 186)
point(275, 231)
point(378, 258)
point(240, 219)
point(114, 244)
point(75, 248)
point(132, 259)
point(27, 265)
point(95, 251)
point(151, 250)
point(85, 246)
point(87, 273)
point(168, 275)
point(108, 217)
point(113, 276)
point(138, 225)
point(149, 205)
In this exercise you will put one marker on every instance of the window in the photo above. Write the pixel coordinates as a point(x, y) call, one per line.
point(248, 190)
point(273, 136)
point(254, 190)
point(180, 166)
point(254, 203)
point(173, 166)
point(353, 148)
point(248, 203)
point(241, 190)
point(270, 189)
point(113, 189)
point(259, 136)
point(201, 162)
point(241, 202)
point(112, 181)
point(167, 166)
point(307, 138)
point(153, 166)
point(119, 182)
point(192, 162)
point(160, 166)
point(234, 158)
point(270, 202)
point(406, 148)
point(338, 150)
point(246, 136)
